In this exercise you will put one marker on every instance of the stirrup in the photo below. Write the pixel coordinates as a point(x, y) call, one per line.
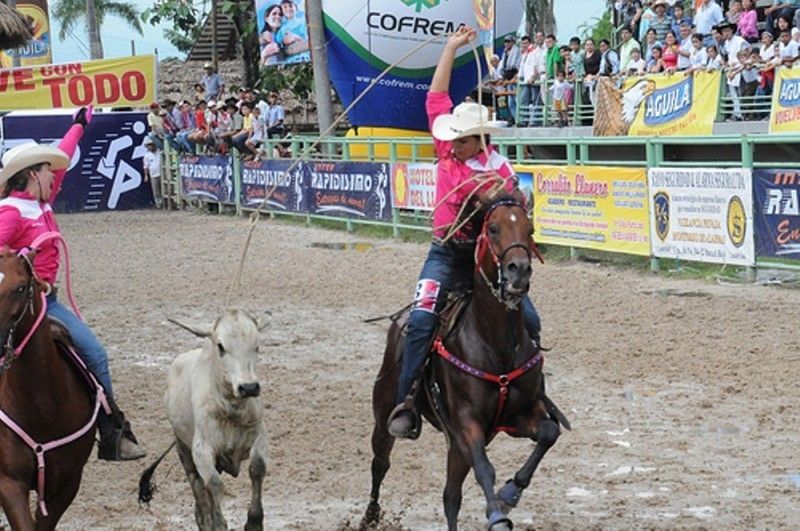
point(412, 432)
point(110, 445)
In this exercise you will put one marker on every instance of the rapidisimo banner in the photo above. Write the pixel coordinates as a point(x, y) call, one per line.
point(658, 105)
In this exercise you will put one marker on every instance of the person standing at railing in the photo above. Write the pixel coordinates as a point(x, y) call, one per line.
point(576, 59)
point(685, 48)
point(714, 61)
point(788, 50)
point(591, 66)
point(636, 66)
point(509, 68)
point(656, 64)
point(526, 78)
point(734, 44)
point(609, 60)
point(698, 56)
point(628, 43)
point(749, 82)
point(559, 91)
point(766, 53)
point(708, 15)
point(650, 43)
point(670, 52)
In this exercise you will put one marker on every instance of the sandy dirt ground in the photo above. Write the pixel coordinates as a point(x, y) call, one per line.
point(682, 394)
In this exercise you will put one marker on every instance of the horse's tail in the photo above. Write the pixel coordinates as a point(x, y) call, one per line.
point(146, 485)
point(556, 413)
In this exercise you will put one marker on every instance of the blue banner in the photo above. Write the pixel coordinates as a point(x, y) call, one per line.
point(776, 194)
point(349, 189)
point(106, 170)
point(209, 178)
point(286, 190)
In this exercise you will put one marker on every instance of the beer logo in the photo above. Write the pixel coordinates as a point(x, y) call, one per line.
point(661, 212)
point(789, 95)
point(737, 221)
point(400, 185)
point(670, 103)
point(419, 4)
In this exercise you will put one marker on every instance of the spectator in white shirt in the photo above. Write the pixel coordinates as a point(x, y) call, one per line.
point(714, 61)
point(636, 65)
point(698, 57)
point(787, 49)
point(708, 15)
point(685, 50)
point(151, 161)
point(527, 76)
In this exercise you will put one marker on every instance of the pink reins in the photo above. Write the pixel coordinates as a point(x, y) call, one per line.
point(39, 449)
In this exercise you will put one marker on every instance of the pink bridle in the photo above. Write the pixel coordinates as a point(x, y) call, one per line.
point(38, 448)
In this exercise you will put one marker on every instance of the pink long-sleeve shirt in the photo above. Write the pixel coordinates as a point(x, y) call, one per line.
point(23, 217)
point(451, 172)
point(748, 24)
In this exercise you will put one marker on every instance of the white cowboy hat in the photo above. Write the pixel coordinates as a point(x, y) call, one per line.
point(467, 119)
point(29, 154)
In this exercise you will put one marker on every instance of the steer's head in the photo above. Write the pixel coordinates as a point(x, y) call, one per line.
point(233, 342)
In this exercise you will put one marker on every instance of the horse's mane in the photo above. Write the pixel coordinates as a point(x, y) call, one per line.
point(486, 203)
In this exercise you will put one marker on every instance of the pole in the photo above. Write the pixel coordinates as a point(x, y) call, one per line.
point(214, 57)
point(319, 61)
point(133, 47)
point(95, 46)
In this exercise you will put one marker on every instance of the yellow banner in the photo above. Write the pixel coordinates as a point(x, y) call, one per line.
point(593, 207)
point(37, 51)
point(658, 105)
point(122, 82)
point(785, 114)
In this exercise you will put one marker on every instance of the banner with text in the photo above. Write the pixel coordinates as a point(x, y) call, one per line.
point(263, 177)
point(702, 214)
point(414, 186)
point(777, 213)
point(122, 82)
point(658, 105)
point(785, 113)
point(208, 178)
point(603, 208)
point(349, 189)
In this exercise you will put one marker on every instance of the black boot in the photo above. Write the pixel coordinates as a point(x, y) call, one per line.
point(117, 441)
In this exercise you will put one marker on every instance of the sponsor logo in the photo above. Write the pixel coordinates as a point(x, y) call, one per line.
point(670, 103)
point(661, 212)
point(790, 93)
point(419, 4)
point(737, 221)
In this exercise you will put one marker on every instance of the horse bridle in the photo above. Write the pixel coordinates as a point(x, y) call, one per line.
point(10, 353)
point(484, 243)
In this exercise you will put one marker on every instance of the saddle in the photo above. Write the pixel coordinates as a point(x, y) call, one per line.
point(66, 347)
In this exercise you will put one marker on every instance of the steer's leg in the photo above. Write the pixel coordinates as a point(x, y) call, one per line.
point(202, 502)
point(203, 457)
point(258, 467)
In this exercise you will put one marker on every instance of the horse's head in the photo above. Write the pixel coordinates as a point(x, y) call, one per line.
point(17, 284)
point(233, 341)
point(503, 248)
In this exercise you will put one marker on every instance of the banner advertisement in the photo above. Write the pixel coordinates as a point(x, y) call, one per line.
point(282, 32)
point(414, 186)
point(261, 177)
point(777, 204)
point(658, 105)
point(122, 82)
point(38, 50)
point(363, 42)
point(209, 178)
point(702, 214)
point(785, 113)
point(106, 170)
point(349, 189)
point(592, 207)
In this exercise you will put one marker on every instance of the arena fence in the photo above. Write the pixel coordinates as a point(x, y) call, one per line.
point(723, 199)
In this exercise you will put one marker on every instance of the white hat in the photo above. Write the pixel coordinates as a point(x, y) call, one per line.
point(207, 65)
point(147, 140)
point(30, 154)
point(211, 104)
point(467, 119)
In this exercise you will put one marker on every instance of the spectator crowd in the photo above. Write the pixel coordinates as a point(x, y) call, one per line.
point(748, 40)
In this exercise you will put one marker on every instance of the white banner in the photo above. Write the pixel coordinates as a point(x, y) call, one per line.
point(702, 214)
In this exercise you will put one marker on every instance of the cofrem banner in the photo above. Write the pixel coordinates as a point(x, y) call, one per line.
point(785, 114)
point(364, 38)
point(592, 207)
point(658, 105)
point(122, 82)
point(702, 214)
point(777, 205)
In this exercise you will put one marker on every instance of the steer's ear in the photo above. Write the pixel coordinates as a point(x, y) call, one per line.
point(198, 330)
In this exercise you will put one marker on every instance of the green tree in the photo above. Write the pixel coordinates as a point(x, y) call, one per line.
point(72, 12)
point(598, 28)
point(184, 20)
point(540, 17)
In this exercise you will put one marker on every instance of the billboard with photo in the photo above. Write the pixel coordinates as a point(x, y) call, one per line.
point(282, 32)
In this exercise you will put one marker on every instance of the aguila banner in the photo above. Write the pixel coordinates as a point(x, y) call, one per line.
point(777, 212)
point(658, 105)
point(363, 41)
point(785, 113)
point(592, 207)
point(122, 82)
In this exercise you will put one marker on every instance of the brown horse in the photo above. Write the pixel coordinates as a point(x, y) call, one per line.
point(44, 395)
point(484, 377)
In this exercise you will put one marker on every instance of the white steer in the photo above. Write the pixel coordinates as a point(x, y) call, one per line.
point(215, 408)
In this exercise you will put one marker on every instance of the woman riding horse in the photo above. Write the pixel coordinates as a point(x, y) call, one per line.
point(30, 180)
point(461, 140)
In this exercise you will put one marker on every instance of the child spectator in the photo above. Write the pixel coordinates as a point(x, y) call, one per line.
point(238, 140)
point(749, 83)
point(259, 131)
point(151, 162)
point(656, 64)
point(559, 89)
point(156, 124)
point(698, 57)
point(199, 92)
point(767, 53)
point(636, 65)
point(748, 22)
point(714, 61)
point(787, 49)
point(678, 18)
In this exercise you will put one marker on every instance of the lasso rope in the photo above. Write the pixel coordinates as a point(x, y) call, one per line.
point(256, 215)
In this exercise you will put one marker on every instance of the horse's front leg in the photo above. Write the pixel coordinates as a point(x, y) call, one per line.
point(258, 468)
point(546, 434)
point(473, 444)
point(14, 498)
point(457, 469)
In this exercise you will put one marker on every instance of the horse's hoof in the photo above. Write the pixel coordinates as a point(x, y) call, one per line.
point(498, 521)
point(371, 517)
point(510, 494)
